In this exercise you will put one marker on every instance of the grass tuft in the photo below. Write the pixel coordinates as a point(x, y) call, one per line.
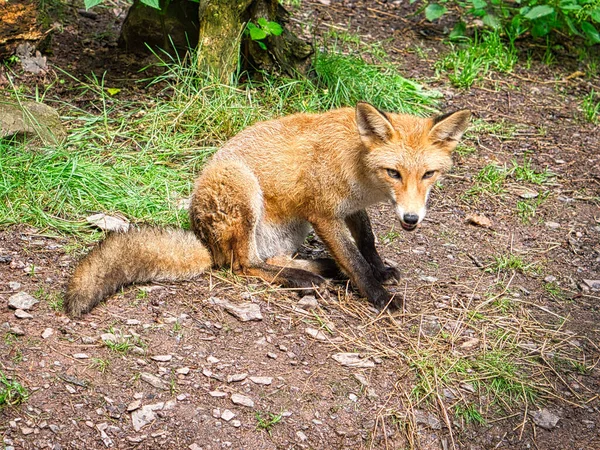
point(11, 392)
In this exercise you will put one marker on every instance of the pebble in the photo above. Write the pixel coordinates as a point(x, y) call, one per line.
point(81, 356)
point(316, 334)
point(16, 330)
point(155, 381)
point(20, 314)
point(26, 430)
point(227, 415)
point(22, 300)
point(308, 302)
point(545, 418)
point(162, 358)
point(133, 322)
point(353, 360)
point(211, 359)
point(181, 397)
point(236, 423)
point(353, 397)
point(183, 370)
point(553, 225)
point(236, 377)
point(195, 446)
point(301, 436)
point(272, 355)
point(14, 285)
point(262, 380)
point(243, 311)
point(134, 405)
point(550, 279)
point(217, 394)
point(216, 413)
point(239, 399)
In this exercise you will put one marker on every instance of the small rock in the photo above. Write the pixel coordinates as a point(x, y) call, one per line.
point(550, 279)
point(195, 446)
point(236, 377)
point(361, 379)
point(137, 439)
point(553, 225)
point(262, 380)
point(155, 381)
point(216, 413)
point(545, 419)
point(16, 330)
point(133, 322)
point(22, 300)
point(146, 414)
point(162, 358)
point(272, 355)
point(594, 285)
point(181, 397)
point(353, 360)
point(300, 435)
point(428, 419)
point(108, 337)
point(353, 397)
point(239, 399)
point(317, 334)
point(70, 389)
point(217, 394)
point(236, 423)
point(308, 302)
point(227, 415)
point(81, 356)
point(134, 405)
point(479, 220)
point(244, 311)
point(26, 430)
point(14, 285)
point(211, 359)
point(108, 223)
point(183, 370)
point(20, 314)
point(470, 343)
point(428, 279)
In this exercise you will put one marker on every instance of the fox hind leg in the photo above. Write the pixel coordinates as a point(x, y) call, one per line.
point(226, 210)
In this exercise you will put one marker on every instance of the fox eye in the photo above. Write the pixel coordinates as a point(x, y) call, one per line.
point(428, 174)
point(394, 174)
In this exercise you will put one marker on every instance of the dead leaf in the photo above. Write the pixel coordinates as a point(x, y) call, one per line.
point(479, 220)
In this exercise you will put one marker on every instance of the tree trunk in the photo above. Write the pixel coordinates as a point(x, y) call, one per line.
point(18, 25)
point(221, 26)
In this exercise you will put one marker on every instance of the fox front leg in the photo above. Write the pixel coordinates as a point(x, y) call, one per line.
point(362, 232)
point(334, 233)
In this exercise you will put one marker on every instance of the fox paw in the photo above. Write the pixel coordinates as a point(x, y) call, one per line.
point(387, 274)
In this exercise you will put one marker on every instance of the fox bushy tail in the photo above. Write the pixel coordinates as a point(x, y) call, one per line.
point(136, 256)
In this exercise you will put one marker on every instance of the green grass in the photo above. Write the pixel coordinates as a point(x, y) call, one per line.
point(511, 263)
point(469, 413)
point(138, 158)
point(471, 62)
point(101, 365)
point(11, 392)
point(591, 107)
point(267, 422)
point(527, 209)
point(489, 180)
point(525, 173)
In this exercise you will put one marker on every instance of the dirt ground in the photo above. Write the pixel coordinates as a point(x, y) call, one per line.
point(184, 359)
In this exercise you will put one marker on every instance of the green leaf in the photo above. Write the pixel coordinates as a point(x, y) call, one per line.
point(151, 3)
point(256, 34)
point(113, 91)
point(591, 32)
point(459, 31)
point(491, 21)
point(539, 11)
point(261, 45)
point(434, 11)
point(479, 4)
point(262, 22)
point(91, 3)
point(540, 29)
point(274, 28)
point(572, 26)
point(595, 15)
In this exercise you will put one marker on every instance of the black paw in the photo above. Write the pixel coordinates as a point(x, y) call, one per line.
point(383, 299)
point(387, 273)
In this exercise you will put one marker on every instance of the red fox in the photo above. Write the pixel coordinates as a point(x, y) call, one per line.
point(258, 198)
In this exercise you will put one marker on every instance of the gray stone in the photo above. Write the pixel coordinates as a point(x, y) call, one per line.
point(227, 415)
point(14, 285)
point(553, 225)
point(162, 358)
point(236, 377)
point(239, 399)
point(262, 380)
point(353, 360)
point(428, 419)
point(47, 333)
point(146, 414)
point(544, 418)
point(155, 381)
point(16, 330)
point(20, 314)
point(316, 334)
point(245, 312)
point(32, 120)
point(594, 285)
point(308, 302)
point(22, 300)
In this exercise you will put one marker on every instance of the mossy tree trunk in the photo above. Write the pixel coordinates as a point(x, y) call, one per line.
point(217, 27)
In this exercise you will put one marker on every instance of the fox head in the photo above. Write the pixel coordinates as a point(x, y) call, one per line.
point(405, 155)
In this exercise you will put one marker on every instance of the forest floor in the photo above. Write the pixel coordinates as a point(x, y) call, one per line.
point(496, 347)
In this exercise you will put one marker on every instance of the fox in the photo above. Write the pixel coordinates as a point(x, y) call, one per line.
point(264, 190)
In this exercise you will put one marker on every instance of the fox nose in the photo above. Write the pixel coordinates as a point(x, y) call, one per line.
point(410, 219)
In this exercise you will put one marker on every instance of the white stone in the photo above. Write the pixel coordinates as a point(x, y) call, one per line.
point(239, 399)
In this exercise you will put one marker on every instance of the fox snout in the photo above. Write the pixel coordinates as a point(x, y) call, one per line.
point(409, 219)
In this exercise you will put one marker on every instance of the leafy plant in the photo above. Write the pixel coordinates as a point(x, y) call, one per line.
point(263, 29)
point(538, 17)
point(591, 107)
point(266, 423)
point(11, 392)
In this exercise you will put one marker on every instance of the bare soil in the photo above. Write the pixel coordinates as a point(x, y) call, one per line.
point(81, 401)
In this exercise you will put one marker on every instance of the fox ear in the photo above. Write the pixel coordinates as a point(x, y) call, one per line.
point(373, 125)
point(450, 127)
